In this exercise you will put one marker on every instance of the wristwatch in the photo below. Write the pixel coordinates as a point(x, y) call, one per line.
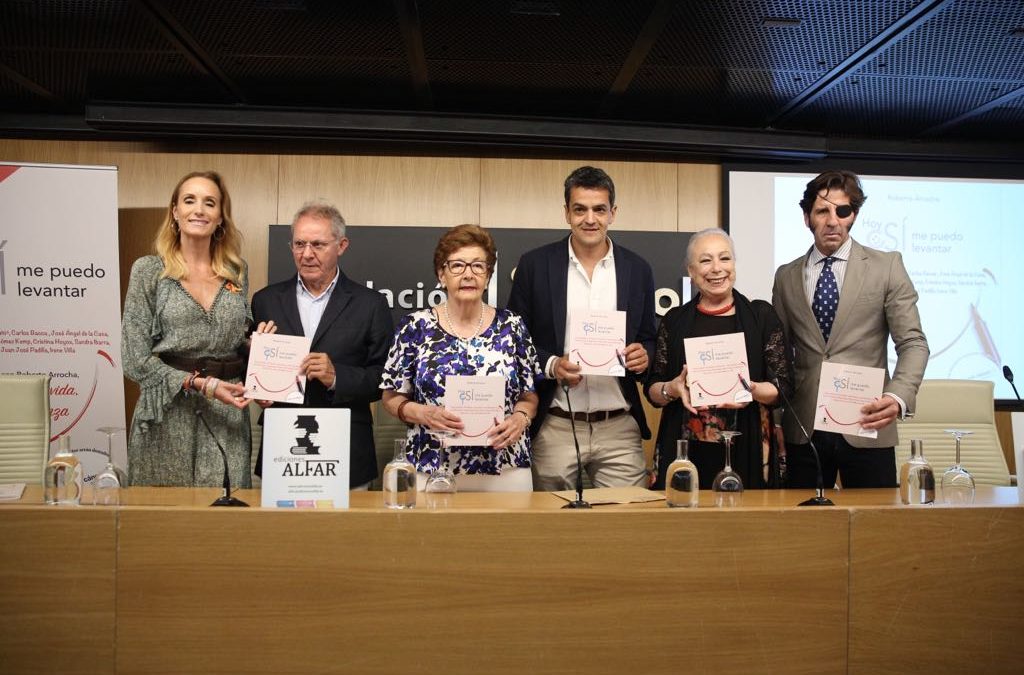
point(664, 392)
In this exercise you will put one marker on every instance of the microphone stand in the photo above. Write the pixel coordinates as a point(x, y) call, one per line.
point(579, 503)
point(225, 499)
point(819, 498)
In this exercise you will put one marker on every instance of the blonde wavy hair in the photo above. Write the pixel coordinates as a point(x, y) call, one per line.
point(225, 244)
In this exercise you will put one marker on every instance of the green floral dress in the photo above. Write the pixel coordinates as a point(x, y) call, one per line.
point(168, 444)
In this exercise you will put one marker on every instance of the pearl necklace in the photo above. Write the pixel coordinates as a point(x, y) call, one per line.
point(448, 320)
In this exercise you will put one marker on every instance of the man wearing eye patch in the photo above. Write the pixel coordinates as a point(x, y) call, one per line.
point(841, 302)
point(349, 324)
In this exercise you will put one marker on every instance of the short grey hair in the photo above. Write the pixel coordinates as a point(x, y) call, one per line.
point(324, 211)
point(708, 232)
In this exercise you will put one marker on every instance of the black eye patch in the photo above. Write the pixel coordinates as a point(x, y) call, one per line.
point(844, 210)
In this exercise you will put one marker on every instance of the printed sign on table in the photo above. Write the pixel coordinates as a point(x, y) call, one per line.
point(479, 401)
point(597, 340)
point(306, 457)
point(717, 370)
point(842, 391)
point(273, 371)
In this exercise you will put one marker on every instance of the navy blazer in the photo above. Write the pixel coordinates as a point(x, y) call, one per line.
point(355, 332)
point(539, 295)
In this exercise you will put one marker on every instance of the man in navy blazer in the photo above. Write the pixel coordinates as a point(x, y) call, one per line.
point(350, 324)
point(587, 271)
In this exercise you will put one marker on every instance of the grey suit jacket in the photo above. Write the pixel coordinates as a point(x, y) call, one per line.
point(877, 300)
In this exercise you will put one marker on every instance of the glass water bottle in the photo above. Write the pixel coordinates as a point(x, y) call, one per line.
point(399, 480)
point(917, 480)
point(62, 482)
point(682, 486)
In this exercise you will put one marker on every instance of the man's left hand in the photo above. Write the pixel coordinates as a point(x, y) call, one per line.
point(318, 366)
point(636, 357)
point(879, 413)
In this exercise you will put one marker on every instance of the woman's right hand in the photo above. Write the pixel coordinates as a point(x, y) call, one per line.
point(684, 391)
point(437, 418)
point(229, 393)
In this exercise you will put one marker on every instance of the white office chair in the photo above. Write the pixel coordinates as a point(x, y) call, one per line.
point(956, 404)
point(24, 428)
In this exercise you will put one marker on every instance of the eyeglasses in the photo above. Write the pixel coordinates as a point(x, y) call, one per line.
point(459, 266)
point(317, 246)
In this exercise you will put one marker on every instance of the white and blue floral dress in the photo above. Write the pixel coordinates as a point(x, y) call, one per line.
point(423, 354)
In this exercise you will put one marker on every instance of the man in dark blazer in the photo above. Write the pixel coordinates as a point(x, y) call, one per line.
point(585, 270)
point(350, 324)
point(840, 302)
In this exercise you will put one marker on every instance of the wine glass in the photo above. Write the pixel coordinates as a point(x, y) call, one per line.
point(957, 483)
point(728, 486)
point(442, 479)
point(106, 486)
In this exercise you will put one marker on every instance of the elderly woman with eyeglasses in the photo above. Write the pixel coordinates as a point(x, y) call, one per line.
point(464, 336)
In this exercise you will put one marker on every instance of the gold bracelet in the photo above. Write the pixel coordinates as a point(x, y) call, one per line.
point(523, 413)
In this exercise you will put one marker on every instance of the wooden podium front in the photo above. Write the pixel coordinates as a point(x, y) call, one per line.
point(512, 584)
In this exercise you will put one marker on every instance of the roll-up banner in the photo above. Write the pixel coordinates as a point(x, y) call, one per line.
point(60, 299)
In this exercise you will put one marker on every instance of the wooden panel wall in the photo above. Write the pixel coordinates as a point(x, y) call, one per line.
point(385, 190)
point(382, 190)
point(530, 193)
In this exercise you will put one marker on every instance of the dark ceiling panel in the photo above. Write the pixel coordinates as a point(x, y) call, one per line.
point(104, 49)
point(967, 40)
point(890, 106)
point(519, 88)
point(731, 35)
point(115, 75)
point(81, 27)
point(595, 32)
point(711, 95)
point(935, 70)
point(303, 82)
point(269, 29)
point(1005, 123)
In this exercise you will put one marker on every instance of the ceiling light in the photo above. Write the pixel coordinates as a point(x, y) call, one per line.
point(780, 22)
point(535, 8)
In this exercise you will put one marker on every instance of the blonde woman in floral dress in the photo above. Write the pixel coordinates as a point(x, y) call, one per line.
point(186, 315)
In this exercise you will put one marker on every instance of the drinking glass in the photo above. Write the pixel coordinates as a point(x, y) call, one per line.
point(957, 483)
point(442, 480)
point(728, 486)
point(107, 484)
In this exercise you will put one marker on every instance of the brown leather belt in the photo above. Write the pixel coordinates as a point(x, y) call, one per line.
point(225, 369)
point(600, 416)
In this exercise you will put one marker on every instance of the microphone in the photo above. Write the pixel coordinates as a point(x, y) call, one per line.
point(819, 498)
point(1008, 374)
point(225, 499)
point(579, 503)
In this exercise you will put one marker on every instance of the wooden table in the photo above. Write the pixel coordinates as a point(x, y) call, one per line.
point(512, 584)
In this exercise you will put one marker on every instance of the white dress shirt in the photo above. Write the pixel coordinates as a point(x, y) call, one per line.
point(311, 307)
point(595, 392)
